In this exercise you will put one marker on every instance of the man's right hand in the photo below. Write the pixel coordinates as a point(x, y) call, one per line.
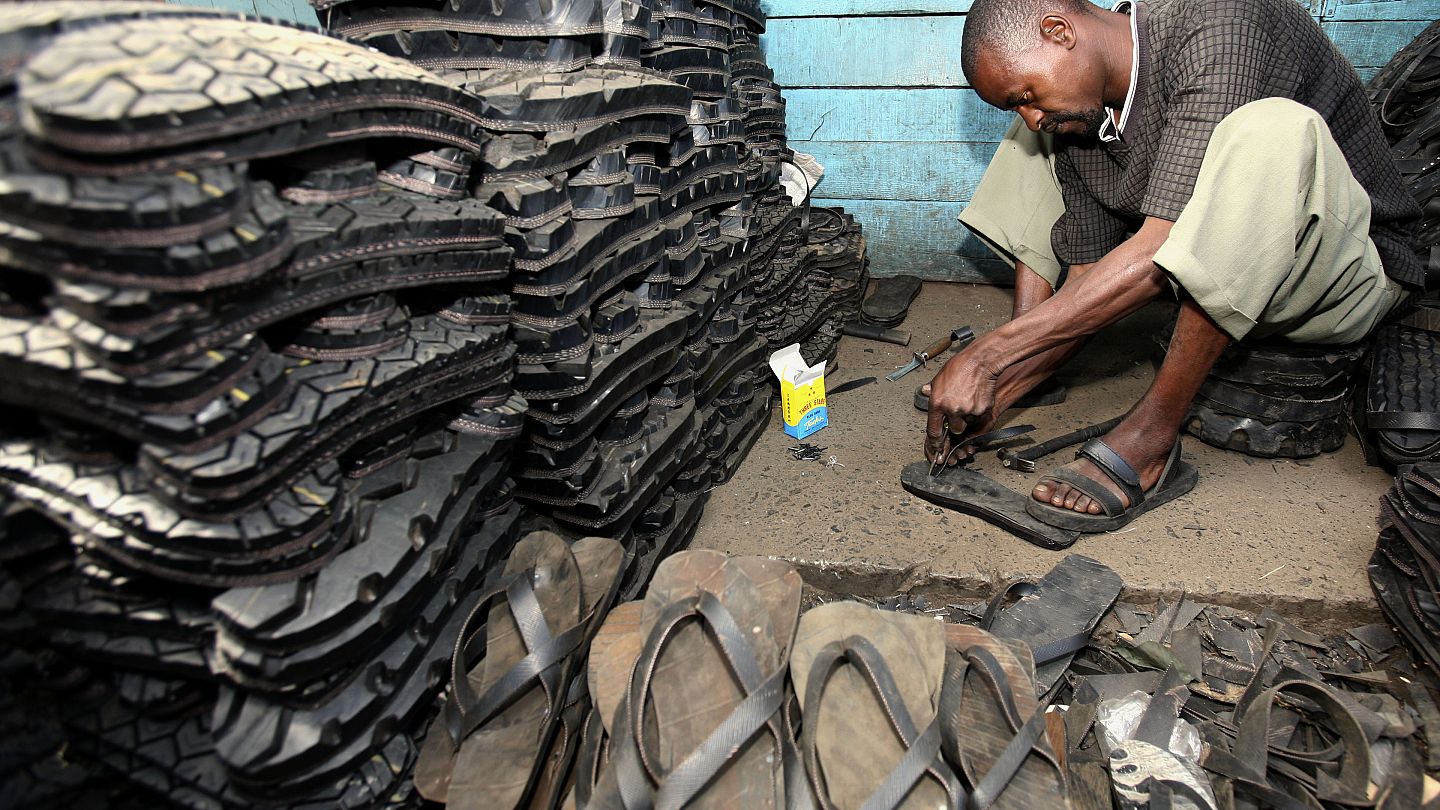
point(962, 403)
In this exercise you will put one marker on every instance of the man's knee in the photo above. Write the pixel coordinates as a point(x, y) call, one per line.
point(1280, 122)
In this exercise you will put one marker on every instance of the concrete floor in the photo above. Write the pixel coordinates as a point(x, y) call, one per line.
point(1290, 535)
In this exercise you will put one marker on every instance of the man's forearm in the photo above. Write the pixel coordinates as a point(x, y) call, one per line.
point(1117, 285)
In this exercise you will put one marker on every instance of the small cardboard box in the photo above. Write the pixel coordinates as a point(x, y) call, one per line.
point(802, 392)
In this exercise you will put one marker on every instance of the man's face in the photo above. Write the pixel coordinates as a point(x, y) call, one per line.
point(1051, 88)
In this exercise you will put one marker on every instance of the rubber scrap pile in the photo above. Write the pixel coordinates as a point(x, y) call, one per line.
point(300, 339)
point(1402, 407)
point(634, 150)
point(716, 689)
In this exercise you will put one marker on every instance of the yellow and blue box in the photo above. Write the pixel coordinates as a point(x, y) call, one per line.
point(802, 392)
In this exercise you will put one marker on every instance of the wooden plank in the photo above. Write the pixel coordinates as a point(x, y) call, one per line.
point(865, 51)
point(1372, 44)
point(849, 8)
point(1423, 10)
point(922, 238)
point(293, 10)
point(939, 171)
point(891, 114)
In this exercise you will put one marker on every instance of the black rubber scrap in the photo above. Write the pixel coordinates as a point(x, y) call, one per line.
point(241, 247)
point(281, 636)
point(315, 89)
point(394, 696)
point(521, 101)
point(502, 18)
point(150, 211)
point(391, 241)
point(123, 523)
point(202, 400)
point(437, 362)
point(888, 305)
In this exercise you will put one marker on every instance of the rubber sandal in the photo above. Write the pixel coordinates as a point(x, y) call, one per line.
point(699, 722)
point(888, 305)
point(993, 726)
point(1046, 393)
point(1178, 478)
point(869, 683)
point(512, 674)
point(613, 651)
point(976, 494)
point(1402, 403)
point(1057, 615)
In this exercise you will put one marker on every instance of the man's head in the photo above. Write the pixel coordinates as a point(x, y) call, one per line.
point(1042, 58)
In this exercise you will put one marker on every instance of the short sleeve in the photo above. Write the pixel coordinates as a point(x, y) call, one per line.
point(1226, 62)
point(1087, 230)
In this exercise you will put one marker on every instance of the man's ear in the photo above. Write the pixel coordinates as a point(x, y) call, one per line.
point(1058, 29)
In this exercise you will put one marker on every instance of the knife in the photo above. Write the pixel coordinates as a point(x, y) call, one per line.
point(962, 337)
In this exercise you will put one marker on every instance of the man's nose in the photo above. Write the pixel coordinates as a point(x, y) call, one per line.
point(1031, 117)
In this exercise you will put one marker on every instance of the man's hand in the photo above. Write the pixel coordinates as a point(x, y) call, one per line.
point(962, 403)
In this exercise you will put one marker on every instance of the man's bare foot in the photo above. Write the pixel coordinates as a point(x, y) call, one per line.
point(1146, 450)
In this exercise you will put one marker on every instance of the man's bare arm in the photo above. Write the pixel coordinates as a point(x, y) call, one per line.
point(1117, 285)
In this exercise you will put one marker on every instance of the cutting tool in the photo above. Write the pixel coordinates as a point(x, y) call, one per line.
point(961, 337)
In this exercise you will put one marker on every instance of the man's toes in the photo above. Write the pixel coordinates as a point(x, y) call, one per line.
point(1072, 499)
point(925, 389)
point(1043, 491)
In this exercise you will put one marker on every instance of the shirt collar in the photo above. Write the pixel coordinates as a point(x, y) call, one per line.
point(1110, 129)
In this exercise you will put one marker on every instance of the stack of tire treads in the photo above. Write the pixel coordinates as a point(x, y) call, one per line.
point(1277, 401)
point(258, 403)
point(621, 155)
point(1403, 403)
point(1403, 569)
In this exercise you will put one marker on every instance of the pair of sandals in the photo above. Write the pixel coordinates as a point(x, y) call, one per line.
point(510, 725)
point(714, 691)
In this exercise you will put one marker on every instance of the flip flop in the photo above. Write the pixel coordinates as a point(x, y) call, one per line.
point(992, 725)
point(869, 683)
point(613, 651)
point(698, 725)
point(1057, 615)
point(1178, 478)
point(511, 676)
point(890, 302)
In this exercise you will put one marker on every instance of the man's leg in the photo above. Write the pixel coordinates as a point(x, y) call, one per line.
point(1013, 211)
point(1298, 265)
point(1018, 201)
point(1150, 429)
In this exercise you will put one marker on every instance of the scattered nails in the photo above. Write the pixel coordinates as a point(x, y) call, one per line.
point(807, 452)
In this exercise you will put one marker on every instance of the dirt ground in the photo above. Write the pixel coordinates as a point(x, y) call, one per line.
point(1291, 535)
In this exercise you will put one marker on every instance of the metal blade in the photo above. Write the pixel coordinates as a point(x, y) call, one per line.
point(903, 370)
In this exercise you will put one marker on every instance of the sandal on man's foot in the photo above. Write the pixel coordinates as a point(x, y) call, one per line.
point(869, 686)
point(699, 724)
point(992, 726)
point(512, 675)
point(1178, 478)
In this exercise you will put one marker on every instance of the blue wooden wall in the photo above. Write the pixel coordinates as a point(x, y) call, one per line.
point(293, 10)
point(875, 92)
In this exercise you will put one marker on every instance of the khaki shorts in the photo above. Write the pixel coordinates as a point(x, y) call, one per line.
point(1301, 269)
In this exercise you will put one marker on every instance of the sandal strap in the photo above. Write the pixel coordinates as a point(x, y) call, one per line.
point(640, 782)
point(1110, 503)
point(1115, 468)
point(989, 787)
point(467, 711)
point(923, 748)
